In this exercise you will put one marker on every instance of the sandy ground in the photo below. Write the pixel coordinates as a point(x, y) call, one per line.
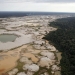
point(9, 59)
point(22, 27)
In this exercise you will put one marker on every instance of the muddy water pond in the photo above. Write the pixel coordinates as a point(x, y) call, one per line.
point(7, 38)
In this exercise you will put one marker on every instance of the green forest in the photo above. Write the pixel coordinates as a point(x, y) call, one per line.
point(64, 40)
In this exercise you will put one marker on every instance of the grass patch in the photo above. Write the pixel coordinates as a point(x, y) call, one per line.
point(20, 66)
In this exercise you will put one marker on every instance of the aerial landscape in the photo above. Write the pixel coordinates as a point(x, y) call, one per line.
point(22, 44)
point(37, 41)
point(23, 51)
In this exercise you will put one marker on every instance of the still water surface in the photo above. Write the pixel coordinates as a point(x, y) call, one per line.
point(7, 37)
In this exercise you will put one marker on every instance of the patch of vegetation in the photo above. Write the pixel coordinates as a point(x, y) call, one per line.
point(64, 40)
point(43, 70)
point(36, 29)
point(20, 66)
point(1, 50)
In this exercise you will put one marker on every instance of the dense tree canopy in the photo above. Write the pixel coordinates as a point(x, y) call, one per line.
point(64, 40)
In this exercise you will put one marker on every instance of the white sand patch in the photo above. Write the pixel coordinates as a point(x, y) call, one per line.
point(13, 72)
point(30, 73)
point(14, 24)
point(55, 68)
point(21, 73)
point(26, 60)
point(25, 67)
point(45, 62)
point(32, 67)
point(50, 55)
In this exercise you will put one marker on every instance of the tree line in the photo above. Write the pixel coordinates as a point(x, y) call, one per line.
point(64, 40)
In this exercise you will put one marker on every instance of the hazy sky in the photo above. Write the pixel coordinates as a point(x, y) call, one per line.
point(38, 5)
